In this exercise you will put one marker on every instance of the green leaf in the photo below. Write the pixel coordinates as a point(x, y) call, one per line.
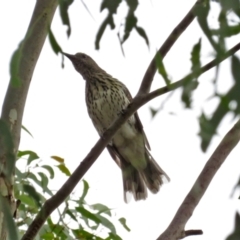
point(229, 31)
point(101, 208)
point(201, 11)
point(113, 237)
point(8, 219)
point(97, 218)
point(123, 222)
point(64, 169)
point(26, 199)
point(112, 7)
point(19, 174)
point(207, 130)
point(63, 7)
point(153, 112)
point(31, 155)
point(85, 191)
point(84, 212)
point(107, 21)
point(191, 81)
point(33, 193)
point(44, 180)
point(84, 235)
point(49, 169)
point(69, 212)
point(236, 232)
point(143, 34)
point(50, 222)
point(58, 159)
point(53, 42)
point(131, 23)
point(26, 130)
point(161, 68)
point(15, 67)
point(229, 5)
point(47, 236)
point(195, 59)
point(208, 126)
point(44, 229)
point(106, 223)
point(236, 187)
point(188, 87)
point(235, 67)
point(39, 183)
point(57, 229)
point(132, 4)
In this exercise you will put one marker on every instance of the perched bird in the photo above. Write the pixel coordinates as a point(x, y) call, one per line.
point(106, 98)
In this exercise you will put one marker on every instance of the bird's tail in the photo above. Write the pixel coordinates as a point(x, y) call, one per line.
point(153, 176)
point(135, 181)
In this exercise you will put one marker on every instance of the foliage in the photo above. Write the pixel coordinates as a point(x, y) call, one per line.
point(75, 219)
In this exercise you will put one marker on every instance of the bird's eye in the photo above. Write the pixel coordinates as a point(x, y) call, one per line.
point(84, 56)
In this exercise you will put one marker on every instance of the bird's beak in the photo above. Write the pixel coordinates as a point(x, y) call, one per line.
point(71, 57)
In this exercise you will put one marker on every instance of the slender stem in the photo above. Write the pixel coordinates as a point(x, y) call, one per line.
point(180, 83)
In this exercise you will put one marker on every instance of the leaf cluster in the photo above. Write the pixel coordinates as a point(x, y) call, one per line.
point(74, 219)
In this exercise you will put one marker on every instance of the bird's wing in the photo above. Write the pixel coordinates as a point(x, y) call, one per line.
point(139, 125)
point(114, 154)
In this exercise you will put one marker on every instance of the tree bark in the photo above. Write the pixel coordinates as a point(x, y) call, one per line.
point(14, 102)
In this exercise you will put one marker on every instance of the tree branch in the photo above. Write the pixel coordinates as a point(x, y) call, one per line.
point(52, 203)
point(22, 67)
point(164, 49)
point(192, 233)
point(176, 228)
point(181, 82)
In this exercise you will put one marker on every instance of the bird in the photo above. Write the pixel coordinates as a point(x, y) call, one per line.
point(106, 98)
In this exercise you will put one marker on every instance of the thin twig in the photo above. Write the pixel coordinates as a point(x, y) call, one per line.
point(164, 49)
point(188, 233)
point(176, 228)
point(181, 82)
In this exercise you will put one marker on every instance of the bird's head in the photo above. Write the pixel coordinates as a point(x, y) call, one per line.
point(83, 64)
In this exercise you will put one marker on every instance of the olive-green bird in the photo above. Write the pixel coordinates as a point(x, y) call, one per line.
point(106, 98)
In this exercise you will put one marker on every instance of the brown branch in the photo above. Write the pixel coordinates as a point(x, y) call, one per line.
point(14, 102)
point(176, 228)
point(52, 203)
point(164, 49)
point(188, 233)
point(181, 82)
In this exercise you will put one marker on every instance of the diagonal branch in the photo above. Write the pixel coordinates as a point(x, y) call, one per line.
point(176, 228)
point(180, 83)
point(164, 49)
point(52, 203)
